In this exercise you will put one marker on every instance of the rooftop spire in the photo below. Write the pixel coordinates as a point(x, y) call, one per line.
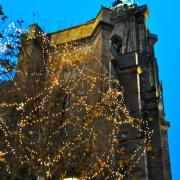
point(122, 2)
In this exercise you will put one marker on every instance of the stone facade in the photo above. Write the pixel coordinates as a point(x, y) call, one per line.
point(121, 39)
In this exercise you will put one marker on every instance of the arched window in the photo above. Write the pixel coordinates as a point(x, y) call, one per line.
point(116, 42)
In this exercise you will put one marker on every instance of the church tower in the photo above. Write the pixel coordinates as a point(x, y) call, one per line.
point(133, 47)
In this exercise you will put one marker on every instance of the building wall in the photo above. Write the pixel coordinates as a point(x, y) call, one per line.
point(142, 90)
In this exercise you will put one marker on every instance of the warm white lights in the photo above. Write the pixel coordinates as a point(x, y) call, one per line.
point(73, 108)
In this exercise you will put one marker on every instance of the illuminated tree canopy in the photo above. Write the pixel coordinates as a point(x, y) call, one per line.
point(62, 114)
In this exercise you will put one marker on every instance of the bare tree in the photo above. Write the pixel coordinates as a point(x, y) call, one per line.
point(62, 115)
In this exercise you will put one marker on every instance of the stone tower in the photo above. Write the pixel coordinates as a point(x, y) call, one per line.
point(121, 39)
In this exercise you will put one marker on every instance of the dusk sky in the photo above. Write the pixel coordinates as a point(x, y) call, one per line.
point(164, 21)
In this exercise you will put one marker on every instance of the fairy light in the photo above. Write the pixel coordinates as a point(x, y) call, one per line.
point(90, 104)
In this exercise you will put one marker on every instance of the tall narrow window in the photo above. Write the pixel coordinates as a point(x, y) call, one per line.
point(116, 42)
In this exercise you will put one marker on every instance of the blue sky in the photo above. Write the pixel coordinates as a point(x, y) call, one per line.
point(164, 21)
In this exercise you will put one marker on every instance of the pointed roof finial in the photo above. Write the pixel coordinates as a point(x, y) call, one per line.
point(118, 2)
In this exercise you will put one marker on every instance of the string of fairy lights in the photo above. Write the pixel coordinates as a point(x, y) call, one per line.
point(81, 128)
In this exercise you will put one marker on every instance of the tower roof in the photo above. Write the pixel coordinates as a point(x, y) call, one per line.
point(118, 3)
